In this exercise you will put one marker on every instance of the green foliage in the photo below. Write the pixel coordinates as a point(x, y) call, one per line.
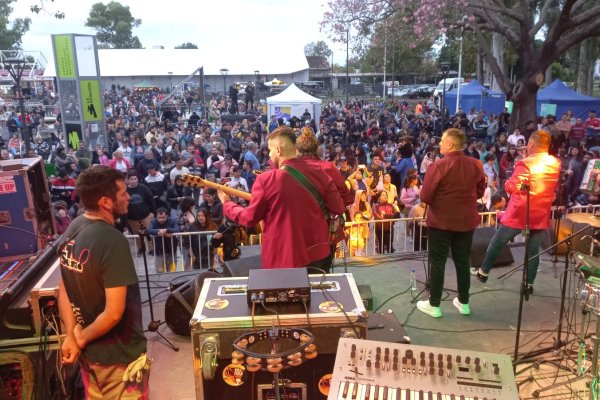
point(114, 23)
point(186, 45)
point(37, 8)
point(11, 32)
point(562, 72)
point(319, 48)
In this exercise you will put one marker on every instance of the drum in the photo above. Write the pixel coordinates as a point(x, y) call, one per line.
point(588, 265)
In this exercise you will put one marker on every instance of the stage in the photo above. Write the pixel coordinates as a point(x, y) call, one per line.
point(490, 327)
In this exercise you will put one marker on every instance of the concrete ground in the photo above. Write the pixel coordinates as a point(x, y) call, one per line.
point(491, 327)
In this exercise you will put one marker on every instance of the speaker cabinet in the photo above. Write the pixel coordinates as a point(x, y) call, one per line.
point(566, 228)
point(481, 241)
point(181, 303)
point(242, 266)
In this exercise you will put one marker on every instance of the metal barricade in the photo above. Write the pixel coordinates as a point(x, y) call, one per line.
point(182, 251)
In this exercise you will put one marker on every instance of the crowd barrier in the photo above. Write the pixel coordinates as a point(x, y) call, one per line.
point(363, 239)
point(182, 251)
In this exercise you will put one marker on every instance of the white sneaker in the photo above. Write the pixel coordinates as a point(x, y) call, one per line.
point(474, 271)
point(464, 309)
point(428, 309)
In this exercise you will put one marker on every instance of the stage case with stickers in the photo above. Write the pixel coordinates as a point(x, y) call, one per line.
point(309, 331)
point(25, 216)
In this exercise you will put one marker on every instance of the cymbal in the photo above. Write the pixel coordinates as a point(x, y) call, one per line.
point(585, 218)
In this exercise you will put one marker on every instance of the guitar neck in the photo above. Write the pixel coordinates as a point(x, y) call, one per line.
point(198, 182)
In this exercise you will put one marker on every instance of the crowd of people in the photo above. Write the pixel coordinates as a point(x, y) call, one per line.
point(377, 148)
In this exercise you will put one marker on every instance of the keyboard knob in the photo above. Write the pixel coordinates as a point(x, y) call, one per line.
point(422, 362)
point(377, 364)
point(378, 357)
point(386, 358)
point(440, 372)
point(496, 370)
point(440, 356)
point(477, 368)
point(408, 353)
point(387, 351)
point(458, 359)
point(449, 358)
point(369, 363)
point(422, 355)
point(431, 363)
point(431, 356)
point(431, 371)
point(449, 365)
point(395, 352)
point(468, 360)
point(378, 350)
point(413, 361)
point(395, 366)
point(403, 360)
point(353, 348)
point(477, 360)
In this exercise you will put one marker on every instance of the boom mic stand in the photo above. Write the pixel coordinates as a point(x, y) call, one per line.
point(153, 325)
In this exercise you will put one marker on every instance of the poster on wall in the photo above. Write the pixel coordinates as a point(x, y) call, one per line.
point(283, 112)
point(547, 109)
point(74, 135)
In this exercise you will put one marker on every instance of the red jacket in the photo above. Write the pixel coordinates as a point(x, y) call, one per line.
point(335, 175)
point(542, 171)
point(295, 232)
point(451, 188)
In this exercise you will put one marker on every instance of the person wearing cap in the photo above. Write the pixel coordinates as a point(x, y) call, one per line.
point(344, 168)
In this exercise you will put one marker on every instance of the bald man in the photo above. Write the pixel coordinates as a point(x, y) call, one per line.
point(539, 172)
point(295, 232)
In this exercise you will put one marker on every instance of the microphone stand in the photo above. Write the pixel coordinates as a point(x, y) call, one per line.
point(153, 325)
point(524, 294)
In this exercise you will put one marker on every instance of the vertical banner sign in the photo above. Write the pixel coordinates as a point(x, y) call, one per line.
point(79, 87)
point(65, 58)
point(92, 103)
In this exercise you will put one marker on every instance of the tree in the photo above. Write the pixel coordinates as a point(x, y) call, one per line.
point(11, 33)
point(319, 49)
point(186, 45)
point(114, 23)
point(37, 8)
point(562, 24)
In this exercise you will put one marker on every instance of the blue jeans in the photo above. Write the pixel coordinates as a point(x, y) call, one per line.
point(501, 238)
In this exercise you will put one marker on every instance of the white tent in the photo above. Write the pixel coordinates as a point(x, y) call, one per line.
point(293, 102)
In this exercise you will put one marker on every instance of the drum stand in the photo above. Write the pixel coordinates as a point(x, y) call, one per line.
point(594, 388)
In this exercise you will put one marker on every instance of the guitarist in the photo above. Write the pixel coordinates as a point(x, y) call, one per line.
point(296, 231)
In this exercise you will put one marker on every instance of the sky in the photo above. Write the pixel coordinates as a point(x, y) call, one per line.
point(270, 26)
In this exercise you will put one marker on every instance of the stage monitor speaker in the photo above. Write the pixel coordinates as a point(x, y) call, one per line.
point(181, 303)
point(481, 239)
point(566, 228)
point(242, 266)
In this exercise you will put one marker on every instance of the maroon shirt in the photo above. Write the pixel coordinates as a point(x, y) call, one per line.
point(451, 188)
point(295, 230)
point(335, 175)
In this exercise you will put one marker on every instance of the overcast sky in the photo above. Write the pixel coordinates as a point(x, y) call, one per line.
point(270, 26)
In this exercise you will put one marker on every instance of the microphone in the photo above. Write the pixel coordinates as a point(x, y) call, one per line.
point(526, 186)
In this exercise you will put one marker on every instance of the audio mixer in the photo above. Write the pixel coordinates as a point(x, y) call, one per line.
point(371, 370)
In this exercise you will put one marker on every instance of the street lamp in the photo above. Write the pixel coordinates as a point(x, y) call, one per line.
point(224, 72)
point(170, 80)
point(15, 67)
point(257, 75)
point(462, 34)
point(445, 67)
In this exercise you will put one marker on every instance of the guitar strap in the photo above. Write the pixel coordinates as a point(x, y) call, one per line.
point(307, 184)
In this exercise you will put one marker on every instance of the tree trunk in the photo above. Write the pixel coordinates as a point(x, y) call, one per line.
point(582, 67)
point(524, 97)
point(590, 81)
point(548, 79)
point(498, 44)
point(480, 72)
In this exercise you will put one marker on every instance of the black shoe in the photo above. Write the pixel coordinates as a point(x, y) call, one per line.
point(139, 253)
point(530, 288)
point(481, 278)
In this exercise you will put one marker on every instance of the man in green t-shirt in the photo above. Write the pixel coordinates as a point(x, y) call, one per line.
point(99, 294)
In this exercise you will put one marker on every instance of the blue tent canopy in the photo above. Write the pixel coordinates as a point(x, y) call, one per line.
point(474, 95)
point(567, 99)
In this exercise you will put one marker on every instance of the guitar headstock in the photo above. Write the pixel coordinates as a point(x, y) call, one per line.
point(193, 180)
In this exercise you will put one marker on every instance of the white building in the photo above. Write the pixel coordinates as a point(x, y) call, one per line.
point(167, 67)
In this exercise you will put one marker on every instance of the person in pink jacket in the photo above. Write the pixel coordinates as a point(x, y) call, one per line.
point(539, 173)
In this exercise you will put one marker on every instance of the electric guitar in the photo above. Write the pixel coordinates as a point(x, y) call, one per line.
point(198, 182)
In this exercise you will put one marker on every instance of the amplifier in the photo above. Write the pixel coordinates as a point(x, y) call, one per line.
point(222, 315)
point(367, 369)
point(285, 285)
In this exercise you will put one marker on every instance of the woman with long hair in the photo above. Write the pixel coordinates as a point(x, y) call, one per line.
point(410, 193)
point(360, 211)
point(384, 231)
point(507, 164)
point(203, 257)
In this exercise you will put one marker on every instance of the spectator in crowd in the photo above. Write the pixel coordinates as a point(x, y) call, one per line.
point(185, 218)
point(384, 231)
point(176, 193)
point(248, 174)
point(489, 168)
point(214, 206)
point(515, 136)
point(141, 209)
point(577, 133)
point(61, 218)
point(63, 187)
point(162, 229)
point(119, 162)
point(201, 251)
point(250, 155)
point(410, 193)
point(157, 184)
point(179, 169)
point(236, 180)
point(145, 162)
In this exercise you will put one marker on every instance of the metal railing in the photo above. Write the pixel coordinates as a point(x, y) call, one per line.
point(182, 251)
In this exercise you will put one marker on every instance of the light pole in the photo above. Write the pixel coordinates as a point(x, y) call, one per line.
point(15, 67)
point(170, 80)
point(445, 67)
point(224, 72)
point(347, 67)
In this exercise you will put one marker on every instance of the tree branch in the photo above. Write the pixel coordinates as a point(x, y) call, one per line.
point(592, 13)
point(492, 62)
point(577, 35)
point(487, 6)
point(499, 26)
point(543, 17)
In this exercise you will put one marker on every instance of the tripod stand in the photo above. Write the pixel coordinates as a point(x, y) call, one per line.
point(153, 325)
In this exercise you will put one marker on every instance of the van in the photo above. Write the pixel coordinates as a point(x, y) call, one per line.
point(451, 84)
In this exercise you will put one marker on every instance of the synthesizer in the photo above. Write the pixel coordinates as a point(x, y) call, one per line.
point(372, 370)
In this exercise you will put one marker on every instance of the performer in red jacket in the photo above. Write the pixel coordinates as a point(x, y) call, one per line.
point(539, 171)
point(295, 232)
point(451, 189)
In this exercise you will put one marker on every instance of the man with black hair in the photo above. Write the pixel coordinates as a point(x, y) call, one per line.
point(164, 227)
point(141, 208)
point(99, 295)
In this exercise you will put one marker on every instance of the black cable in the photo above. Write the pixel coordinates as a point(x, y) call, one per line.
point(272, 311)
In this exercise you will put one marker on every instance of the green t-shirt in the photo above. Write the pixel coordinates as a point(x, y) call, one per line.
point(96, 256)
